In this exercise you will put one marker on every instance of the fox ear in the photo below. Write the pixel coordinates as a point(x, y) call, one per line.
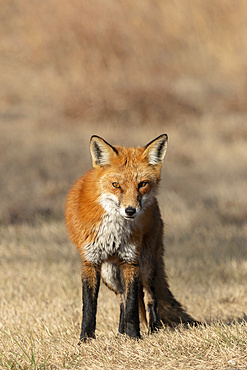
point(155, 151)
point(101, 151)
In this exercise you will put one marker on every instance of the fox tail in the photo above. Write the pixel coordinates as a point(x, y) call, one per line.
point(170, 310)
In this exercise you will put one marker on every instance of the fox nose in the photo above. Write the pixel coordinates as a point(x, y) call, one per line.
point(130, 211)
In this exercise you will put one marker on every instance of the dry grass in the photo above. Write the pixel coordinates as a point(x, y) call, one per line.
point(203, 201)
point(123, 61)
point(133, 71)
point(40, 308)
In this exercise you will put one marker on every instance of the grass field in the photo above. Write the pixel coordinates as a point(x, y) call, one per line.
point(203, 202)
point(142, 71)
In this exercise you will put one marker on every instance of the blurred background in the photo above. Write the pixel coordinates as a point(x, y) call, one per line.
point(127, 71)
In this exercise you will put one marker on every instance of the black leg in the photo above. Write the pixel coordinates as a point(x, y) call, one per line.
point(132, 323)
point(129, 314)
point(154, 322)
point(90, 289)
point(121, 328)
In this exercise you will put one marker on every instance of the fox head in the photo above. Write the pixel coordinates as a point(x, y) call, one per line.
point(127, 177)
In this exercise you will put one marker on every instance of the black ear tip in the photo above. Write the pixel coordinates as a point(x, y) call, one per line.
point(95, 137)
point(165, 136)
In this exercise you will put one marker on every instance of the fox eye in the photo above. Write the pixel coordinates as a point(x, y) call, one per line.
point(142, 184)
point(115, 185)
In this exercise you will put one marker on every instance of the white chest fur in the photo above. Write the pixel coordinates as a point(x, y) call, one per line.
point(112, 240)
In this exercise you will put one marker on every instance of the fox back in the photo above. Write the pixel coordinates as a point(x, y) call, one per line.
point(113, 217)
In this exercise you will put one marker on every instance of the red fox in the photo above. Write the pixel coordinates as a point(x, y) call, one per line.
point(113, 217)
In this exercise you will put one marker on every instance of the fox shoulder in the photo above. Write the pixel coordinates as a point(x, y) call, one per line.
point(83, 211)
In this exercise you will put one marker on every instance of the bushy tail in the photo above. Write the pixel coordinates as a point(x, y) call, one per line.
point(170, 310)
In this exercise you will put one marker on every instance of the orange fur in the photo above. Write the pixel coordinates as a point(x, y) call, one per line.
point(113, 217)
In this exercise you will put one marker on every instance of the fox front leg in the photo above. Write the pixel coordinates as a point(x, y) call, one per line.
point(90, 290)
point(129, 310)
